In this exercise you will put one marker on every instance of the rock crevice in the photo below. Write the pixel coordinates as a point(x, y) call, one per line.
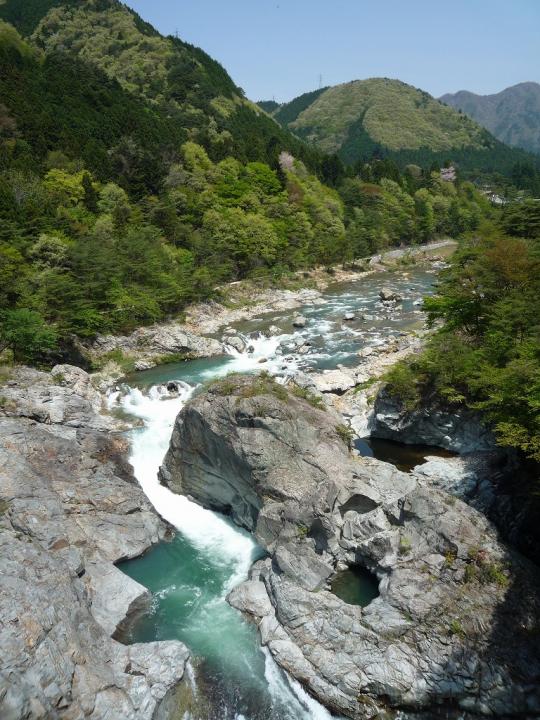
point(437, 635)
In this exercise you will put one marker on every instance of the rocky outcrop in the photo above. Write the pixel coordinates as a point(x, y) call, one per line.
point(431, 424)
point(64, 397)
point(389, 295)
point(492, 479)
point(69, 509)
point(149, 345)
point(500, 484)
point(454, 623)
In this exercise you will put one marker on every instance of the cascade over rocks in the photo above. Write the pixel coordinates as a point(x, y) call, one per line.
point(69, 509)
point(454, 623)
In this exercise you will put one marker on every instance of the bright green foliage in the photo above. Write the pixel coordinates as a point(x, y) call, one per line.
point(86, 257)
point(26, 334)
point(134, 178)
point(487, 355)
point(394, 114)
point(165, 74)
point(384, 207)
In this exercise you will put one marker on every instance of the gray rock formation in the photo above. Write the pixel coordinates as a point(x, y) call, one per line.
point(237, 343)
point(334, 381)
point(149, 344)
point(69, 509)
point(389, 295)
point(460, 431)
point(454, 623)
point(299, 321)
point(497, 483)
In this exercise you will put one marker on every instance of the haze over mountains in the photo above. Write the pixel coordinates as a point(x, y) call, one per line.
point(512, 115)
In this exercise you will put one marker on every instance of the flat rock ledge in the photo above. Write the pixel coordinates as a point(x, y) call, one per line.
point(69, 509)
point(454, 628)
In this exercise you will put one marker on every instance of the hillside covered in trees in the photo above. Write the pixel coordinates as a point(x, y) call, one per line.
point(389, 118)
point(128, 189)
point(486, 354)
point(135, 177)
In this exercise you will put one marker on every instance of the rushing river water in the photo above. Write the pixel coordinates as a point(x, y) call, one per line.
point(191, 576)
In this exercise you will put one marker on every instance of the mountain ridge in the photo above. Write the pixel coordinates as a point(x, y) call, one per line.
point(183, 81)
point(385, 116)
point(512, 115)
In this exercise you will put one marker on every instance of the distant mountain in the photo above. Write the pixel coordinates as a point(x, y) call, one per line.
point(512, 115)
point(269, 106)
point(357, 119)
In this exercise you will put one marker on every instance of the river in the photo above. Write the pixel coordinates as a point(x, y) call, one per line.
point(190, 577)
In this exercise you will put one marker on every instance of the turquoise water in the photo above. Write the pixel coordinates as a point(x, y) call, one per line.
point(355, 586)
point(190, 577)
point(189, 587)
point(333, 340)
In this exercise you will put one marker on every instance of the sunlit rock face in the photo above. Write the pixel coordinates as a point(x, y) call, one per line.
point(439, 627)
point(69, 509)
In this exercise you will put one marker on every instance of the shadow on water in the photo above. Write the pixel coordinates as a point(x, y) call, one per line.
point(404, 457)
point(355, 586)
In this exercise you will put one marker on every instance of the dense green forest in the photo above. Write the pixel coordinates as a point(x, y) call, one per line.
point(113, 216)
point(388, 118)
point(486, 355)
point(135, 178)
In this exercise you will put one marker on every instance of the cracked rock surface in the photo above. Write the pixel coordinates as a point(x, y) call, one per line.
point(454, 625)
point(69, 509)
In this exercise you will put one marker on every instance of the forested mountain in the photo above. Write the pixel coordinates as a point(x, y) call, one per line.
point(512, 115)
point(388, 117)
point(194, 95)
point(135, 178)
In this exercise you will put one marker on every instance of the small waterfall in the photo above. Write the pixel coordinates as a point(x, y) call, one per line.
point(224, 552)
point(275, 354)
point(226, 545)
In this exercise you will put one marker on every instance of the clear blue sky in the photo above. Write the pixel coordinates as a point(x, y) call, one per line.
point(279, 47)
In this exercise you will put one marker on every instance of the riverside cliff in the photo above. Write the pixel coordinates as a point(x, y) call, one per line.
point(69, 509)
point(454, 624)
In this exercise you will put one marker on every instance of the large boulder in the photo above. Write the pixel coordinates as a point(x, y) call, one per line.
point(388, 295)
point(69, 510)
point(236, 343)
point(444, 629)
point(334, 381)
point(151, 344)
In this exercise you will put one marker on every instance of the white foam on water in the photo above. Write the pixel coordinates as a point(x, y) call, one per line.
point(264, 355)
point(301, 705)
point(206, 530)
